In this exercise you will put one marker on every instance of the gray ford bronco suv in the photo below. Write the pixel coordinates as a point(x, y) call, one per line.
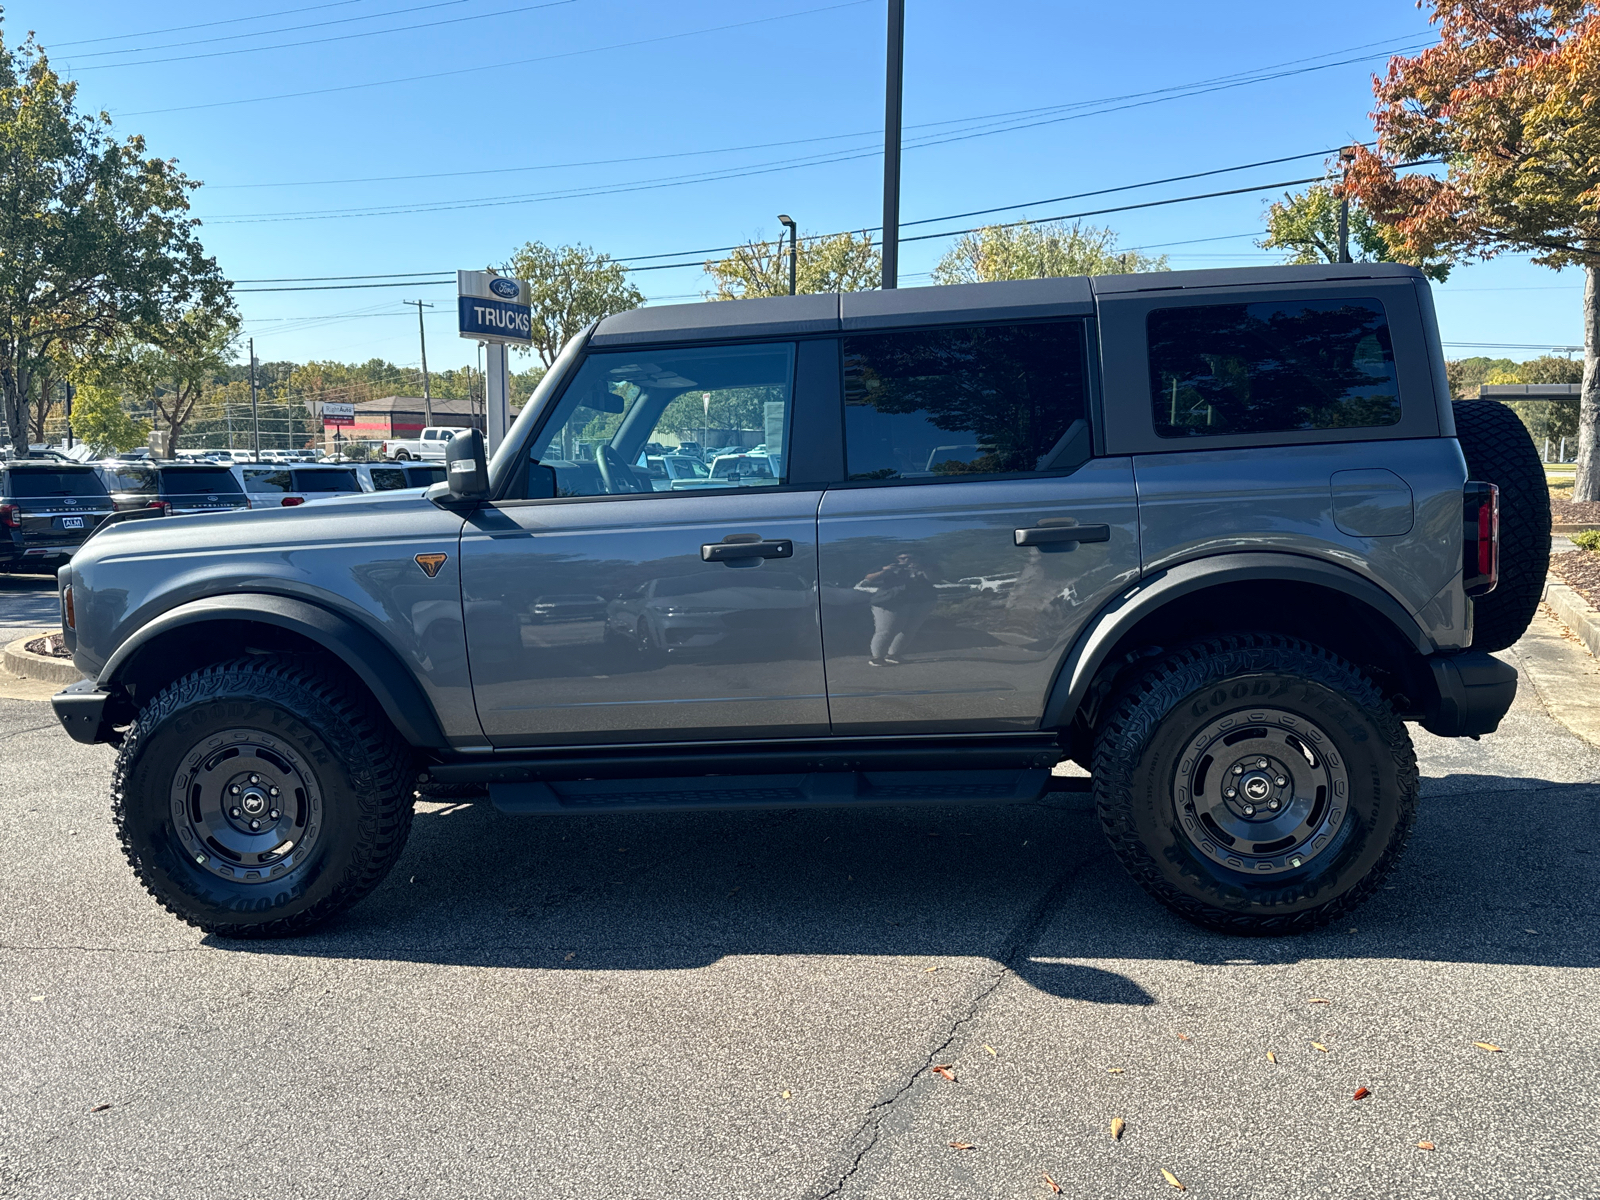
point(1215, 535)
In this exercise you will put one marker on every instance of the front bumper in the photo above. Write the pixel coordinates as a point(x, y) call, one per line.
point(1473, 691)
point(81, 709)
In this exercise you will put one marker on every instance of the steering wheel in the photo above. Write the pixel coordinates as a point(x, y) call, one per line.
point(613, 473)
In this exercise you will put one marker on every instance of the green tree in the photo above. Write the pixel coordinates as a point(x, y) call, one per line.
point(570, 286)
point(839, 262)
point(1306, 225)
point(102, 422)
point(1040, 251)
point(94, 236)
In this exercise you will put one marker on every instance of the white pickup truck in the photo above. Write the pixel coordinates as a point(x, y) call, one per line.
point(429, 446)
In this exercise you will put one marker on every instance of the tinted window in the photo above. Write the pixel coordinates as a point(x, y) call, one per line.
point(424, 476)
point(129, 479)
point(1271, 368)
point(961, 402)
point(327, 481)
point(729, 398)
point(188, 483)
point(267, 481)
point(39, 484)
point(388, 479)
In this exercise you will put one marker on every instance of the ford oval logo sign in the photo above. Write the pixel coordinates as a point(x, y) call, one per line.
point(506, 289)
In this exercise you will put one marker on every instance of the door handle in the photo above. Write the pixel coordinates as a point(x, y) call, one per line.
point(1060, 535)
point(730, 552)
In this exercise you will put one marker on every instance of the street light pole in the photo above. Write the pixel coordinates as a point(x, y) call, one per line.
point(891, 144)
point(788, 223)
point(255, 413)
point(427, 396)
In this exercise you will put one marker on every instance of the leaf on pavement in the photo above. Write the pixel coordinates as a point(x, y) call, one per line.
point(962, 1146)
point(1318, 1000)
point(99, 1108)
point(1490, 1047)
point(1117, 1126)
point(1361, 1094)
point(1271, 1057)
point(1183, 1037)
point(785, 1095)
point(1172, 1179)
point(1319, 1046)
point(1054, 1186)
point(1426, 1146)
point(991, 1050)
point(1114, 1070)
point(944, 1072)
point(929, 970)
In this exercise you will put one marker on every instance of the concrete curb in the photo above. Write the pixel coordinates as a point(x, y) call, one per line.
point(1579, 528)
point(1576, 614)
point(36, 666)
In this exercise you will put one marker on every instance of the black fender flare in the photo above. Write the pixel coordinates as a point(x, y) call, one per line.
point(1089, 650)
point(374, 663)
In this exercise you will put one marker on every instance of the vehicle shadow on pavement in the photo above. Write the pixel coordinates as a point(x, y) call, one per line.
point(1492, 875)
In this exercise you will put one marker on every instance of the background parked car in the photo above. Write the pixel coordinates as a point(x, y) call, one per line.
point(47, 510)
point(176, 488)
point(273, 487)
point(393, 477)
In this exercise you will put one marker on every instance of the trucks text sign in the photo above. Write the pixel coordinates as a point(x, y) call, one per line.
point(492, 308)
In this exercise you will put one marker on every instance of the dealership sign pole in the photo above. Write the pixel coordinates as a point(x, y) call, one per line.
point(496, 311)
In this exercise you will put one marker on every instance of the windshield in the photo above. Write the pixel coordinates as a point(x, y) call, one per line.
point(39, 484)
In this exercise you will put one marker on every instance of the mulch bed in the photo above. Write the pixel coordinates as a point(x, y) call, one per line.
point(1565, 512)
point(50, 646)
point(1580, 571)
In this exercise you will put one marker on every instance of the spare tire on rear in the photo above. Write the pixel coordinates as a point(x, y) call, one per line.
point(1499, 450)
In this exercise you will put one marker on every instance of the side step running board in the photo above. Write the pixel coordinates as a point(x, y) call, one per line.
point(815, 789)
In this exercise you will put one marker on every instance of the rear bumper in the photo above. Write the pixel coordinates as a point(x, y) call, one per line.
point(1474, 690)
point(81, 709)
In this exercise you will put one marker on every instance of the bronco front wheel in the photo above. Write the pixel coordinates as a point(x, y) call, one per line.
point(1255, 784)
point(260, 797)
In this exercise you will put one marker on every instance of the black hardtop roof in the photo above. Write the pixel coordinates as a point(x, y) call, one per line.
point(44, 464)
point(966, 303)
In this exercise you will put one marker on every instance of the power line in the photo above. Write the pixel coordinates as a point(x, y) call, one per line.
point(519, 62)
point(343, 37)
point(118, 37)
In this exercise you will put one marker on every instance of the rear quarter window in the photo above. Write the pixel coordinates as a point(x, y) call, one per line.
point(267, 481)
point(1271, 367)
point(326, 481)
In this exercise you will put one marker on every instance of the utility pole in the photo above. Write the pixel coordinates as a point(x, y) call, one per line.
point(255, 413)
point(891, 144)
point(788, 223)
point(427, 396)
point(71, 391)
point(1346, 157)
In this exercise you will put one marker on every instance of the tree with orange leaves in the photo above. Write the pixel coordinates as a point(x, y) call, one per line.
point(1509, 98)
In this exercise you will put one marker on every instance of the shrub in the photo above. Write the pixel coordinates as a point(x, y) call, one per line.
point(1588, 539)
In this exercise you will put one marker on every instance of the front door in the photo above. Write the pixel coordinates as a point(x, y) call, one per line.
point(618, 613)
point(975, 534)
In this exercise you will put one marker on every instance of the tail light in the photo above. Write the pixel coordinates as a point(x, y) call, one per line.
point(291, 501)
point(163, 506)
point(1480, 534)
point(10, 516)
point(69, 616)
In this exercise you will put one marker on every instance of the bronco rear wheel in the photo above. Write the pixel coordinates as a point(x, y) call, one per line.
point(1255, 784)
point(260, 797)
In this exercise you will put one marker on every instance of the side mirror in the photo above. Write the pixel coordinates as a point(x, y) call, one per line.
point(466, 467)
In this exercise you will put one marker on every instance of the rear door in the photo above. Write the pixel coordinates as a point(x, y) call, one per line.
point(611, 612)
point(200, 489)
point(975, 532)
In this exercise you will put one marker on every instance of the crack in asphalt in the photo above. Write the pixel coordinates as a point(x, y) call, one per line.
point(1023, 934)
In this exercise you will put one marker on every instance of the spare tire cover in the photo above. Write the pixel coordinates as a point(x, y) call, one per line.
point(1499, 450)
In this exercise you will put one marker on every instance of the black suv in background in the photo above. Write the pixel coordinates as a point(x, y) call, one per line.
point(177, 489)
point(47, 510)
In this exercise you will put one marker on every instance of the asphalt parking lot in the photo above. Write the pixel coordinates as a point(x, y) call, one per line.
point(751, 1004)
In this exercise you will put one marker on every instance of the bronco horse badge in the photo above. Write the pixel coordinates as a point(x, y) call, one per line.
point(430, 563)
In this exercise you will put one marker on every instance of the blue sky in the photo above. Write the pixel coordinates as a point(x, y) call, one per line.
point(649, 129)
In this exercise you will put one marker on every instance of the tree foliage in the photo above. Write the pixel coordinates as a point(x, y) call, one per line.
point(1507, 98)
point(94, 237)
point(570, 286)
point(101, 420)
point(1306, 226)
point(840, 262)
point(1040, 251)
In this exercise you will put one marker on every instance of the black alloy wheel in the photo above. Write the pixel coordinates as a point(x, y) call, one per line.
point(260, 797)
point(1255, 784)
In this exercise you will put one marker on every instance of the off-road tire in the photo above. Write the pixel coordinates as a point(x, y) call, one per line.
point(1499, 450)
point(361, 769)
point(1138, 761)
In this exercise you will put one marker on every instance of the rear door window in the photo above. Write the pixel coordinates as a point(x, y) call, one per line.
point(424, 476)
point(956, 403)
point(129, 479)
point(327, 481)
point(267, 481)
point(388, 479)
point(1271, 367)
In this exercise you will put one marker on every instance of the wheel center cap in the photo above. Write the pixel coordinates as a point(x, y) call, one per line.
point(253, 802)
point(1256, 787)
